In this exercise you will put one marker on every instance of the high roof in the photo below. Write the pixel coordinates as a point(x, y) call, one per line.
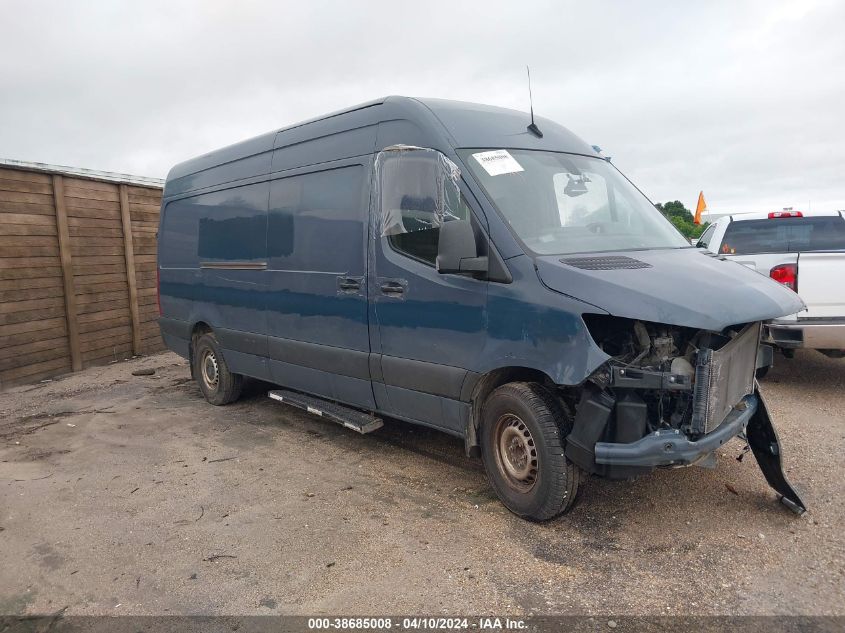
point(463, 124)
point(478, 125)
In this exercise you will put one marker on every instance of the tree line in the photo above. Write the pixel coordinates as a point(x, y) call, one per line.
point(682, 218)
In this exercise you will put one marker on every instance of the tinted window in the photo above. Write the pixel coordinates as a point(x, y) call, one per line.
point(787, 235)
point(178, 236)
point(317, 220)
point(228, 235)
point(228, 225)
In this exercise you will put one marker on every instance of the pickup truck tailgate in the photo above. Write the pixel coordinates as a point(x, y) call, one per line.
point(821, 284)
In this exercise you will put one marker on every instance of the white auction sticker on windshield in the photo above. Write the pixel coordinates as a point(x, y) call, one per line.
point(498, 162)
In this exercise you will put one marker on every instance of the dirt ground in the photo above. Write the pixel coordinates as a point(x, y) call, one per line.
point(124, 494)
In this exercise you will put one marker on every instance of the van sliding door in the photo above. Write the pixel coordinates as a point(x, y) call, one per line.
point(316, 296)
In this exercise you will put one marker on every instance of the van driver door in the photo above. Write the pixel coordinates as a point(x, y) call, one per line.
point(426, 328)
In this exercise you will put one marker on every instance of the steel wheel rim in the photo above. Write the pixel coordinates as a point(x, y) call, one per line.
point(516, 453)
point(209, 369)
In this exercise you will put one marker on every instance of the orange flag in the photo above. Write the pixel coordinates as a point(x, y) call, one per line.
point(699, 208)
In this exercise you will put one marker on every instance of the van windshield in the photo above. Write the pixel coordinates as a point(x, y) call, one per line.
point(564, 203)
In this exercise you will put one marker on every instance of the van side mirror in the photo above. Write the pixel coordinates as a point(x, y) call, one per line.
point(457, 251)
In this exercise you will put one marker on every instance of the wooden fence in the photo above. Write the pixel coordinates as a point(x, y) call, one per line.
point(77, 272)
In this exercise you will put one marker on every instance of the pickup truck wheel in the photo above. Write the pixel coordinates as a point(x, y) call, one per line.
point(219, 385)
point(761, 372)
point(522, 440)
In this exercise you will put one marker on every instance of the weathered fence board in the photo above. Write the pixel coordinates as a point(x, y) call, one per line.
point(77, 271)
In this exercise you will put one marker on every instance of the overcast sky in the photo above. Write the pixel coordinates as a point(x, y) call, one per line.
point(744, 100)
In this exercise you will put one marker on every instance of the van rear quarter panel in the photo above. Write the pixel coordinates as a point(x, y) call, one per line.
point(213, 246)
point(215, 211)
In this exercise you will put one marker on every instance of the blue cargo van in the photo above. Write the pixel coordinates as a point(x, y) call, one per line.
point(447, 264)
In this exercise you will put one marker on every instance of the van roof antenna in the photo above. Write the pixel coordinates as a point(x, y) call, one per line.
point(533, 127)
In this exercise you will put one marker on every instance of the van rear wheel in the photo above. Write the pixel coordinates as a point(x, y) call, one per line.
point(523, 429)
point(219, 385)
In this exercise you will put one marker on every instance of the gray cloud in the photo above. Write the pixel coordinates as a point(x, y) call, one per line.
point(743, 100)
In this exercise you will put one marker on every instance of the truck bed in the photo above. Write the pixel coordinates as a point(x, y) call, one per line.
point(821, 284)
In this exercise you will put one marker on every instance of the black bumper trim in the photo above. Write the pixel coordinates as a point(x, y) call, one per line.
point(672, 447)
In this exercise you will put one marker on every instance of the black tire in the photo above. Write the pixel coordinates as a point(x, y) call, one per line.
point(219, 385)
point(529, 471)
point(761, 372)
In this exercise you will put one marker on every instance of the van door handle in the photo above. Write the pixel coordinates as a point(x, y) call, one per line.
point(392, 288)
point(348, 284)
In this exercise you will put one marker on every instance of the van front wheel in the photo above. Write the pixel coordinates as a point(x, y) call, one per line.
point(523, 429)
point(218, 384)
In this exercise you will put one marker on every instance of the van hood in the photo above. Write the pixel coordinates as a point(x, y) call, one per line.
point(688, 287)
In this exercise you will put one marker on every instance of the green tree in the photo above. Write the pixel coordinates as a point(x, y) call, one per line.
point(682, 218)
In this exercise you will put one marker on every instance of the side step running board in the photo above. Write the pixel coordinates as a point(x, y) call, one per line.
point(350, 418)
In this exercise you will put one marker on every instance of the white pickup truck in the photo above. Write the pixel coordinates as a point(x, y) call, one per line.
point(803, 251)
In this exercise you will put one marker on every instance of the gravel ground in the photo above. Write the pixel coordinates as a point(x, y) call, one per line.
point(124, 494)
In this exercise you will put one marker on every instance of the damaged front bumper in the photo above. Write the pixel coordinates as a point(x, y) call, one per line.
point(622, 430)
point(671, 447)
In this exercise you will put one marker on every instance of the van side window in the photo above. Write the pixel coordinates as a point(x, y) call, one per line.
point(232, 224)
point(421, 235)
point(309, 212)
point(418, 192)
point(223, 226)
